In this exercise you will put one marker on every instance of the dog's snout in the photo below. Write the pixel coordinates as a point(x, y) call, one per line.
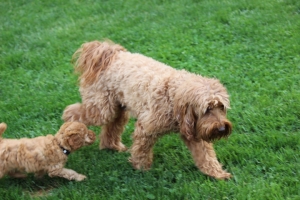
point(222, 128)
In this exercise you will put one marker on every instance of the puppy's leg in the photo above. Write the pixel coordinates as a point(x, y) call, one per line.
point(2, 170)
point(110, 136)
point(16, 174)
point(141, 150)
point(205, 159)
point(1, 174)
point(67, 174)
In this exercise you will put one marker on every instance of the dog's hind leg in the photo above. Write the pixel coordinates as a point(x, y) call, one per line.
point(205, 159)
point(142, 148)
point(106, 113)
point(110, 137)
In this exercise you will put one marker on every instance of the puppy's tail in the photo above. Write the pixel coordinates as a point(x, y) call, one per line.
point(94, 57)
point(2, 129)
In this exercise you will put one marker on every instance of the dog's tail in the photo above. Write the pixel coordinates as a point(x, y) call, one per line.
point(2, 129)
point(94, 57)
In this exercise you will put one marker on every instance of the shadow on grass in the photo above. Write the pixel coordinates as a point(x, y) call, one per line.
point(29, 186)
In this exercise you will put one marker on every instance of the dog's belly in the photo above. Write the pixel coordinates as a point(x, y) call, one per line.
point(155, 113)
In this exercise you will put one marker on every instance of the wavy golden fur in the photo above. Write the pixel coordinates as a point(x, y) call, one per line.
point(115, 83)
point(44, 154)
point(93, 58)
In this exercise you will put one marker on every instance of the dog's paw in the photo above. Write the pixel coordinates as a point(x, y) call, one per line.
point(223, 176)
point(120, 147)
point(80, 177)
point(139, 165)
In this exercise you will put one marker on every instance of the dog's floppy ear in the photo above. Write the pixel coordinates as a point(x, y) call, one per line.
point(186, 119)
point(75, 141)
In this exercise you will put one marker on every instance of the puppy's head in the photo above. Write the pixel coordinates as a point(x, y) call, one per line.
point(73, 135)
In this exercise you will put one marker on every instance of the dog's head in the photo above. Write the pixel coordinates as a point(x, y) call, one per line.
point(213, 124)
point(73, 135)
point(201, 112)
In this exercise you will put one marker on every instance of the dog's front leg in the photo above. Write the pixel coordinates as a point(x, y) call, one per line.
point(67, 174)
point(205, 159)
point(141, 150)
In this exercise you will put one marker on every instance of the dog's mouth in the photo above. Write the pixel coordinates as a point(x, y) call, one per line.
point(217, 132)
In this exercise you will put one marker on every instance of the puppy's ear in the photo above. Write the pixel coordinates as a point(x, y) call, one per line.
point(75, 141)
point(90, 137)
point(64, 126)
point(186, 119)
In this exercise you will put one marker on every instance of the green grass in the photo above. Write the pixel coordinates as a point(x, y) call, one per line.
point(253, 47)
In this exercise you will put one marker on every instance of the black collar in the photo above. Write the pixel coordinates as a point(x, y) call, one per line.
point(65, 151)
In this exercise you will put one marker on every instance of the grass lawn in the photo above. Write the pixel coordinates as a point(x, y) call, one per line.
point(253, 47)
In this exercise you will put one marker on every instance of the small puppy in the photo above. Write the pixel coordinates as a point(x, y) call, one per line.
point(44, 154)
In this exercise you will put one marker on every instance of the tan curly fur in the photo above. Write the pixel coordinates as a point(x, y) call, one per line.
point(115, 83)
point(44, 154)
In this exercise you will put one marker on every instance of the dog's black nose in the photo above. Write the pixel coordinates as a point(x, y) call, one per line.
point(222, 128)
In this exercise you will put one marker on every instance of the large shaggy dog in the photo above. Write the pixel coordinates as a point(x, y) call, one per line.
point(44, 154)
point(115, 82)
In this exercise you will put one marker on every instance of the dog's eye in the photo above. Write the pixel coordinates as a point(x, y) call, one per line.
point(223, 108)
